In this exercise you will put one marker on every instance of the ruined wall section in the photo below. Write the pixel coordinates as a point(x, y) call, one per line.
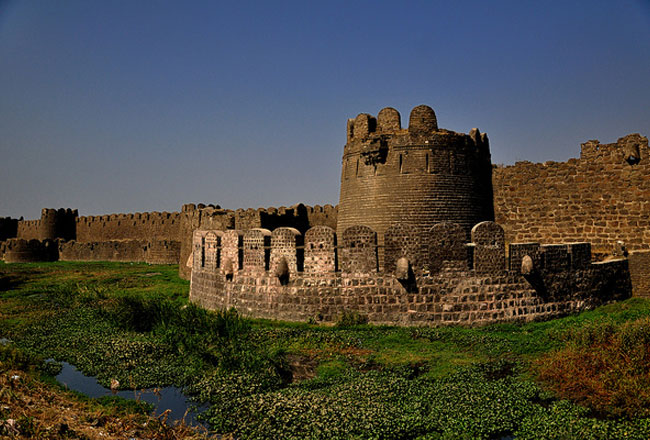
point(19, 250)
point(138, 226)
point(602, 197)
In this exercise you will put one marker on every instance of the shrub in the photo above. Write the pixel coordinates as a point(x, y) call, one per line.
point(605, 367)
point(351, 318)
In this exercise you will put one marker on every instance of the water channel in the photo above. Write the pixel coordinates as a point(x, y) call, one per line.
point(168, 398)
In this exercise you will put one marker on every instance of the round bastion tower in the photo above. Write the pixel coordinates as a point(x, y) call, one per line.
point(422, 175)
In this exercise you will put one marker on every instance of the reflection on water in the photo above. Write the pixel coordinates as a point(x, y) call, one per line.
point(171, 398)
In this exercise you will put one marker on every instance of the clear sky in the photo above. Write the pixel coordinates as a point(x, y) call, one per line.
point(125, 106)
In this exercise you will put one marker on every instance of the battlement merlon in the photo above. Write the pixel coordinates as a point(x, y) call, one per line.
point(367, 134)
point(630, 149)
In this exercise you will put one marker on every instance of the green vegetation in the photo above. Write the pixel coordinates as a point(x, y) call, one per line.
point(584, 376)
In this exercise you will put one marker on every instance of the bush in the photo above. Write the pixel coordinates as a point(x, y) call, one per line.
point(605, 367)
point(350, 318)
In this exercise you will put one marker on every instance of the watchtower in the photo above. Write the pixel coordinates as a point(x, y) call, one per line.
point(420, 175)
point(58, 223)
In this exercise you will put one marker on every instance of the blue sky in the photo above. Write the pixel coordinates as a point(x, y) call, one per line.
point(124, 106)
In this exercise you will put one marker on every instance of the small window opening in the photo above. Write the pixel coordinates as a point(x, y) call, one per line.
point(202, 252)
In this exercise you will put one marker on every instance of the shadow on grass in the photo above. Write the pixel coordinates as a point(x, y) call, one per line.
point(8, 282)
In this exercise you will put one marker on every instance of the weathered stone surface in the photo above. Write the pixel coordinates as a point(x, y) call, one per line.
point(552, 281)
point(320, 250)
point(488, 239)
point(600, 198)
point(428, 176)
point(358, 250)
point(447, 247)
point(639, 263)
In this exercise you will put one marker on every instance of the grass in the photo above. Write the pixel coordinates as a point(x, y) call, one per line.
point(133, 322)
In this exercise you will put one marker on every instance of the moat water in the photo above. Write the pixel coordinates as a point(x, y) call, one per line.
point(168, 398)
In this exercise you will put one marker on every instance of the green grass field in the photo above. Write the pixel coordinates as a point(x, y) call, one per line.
point(133, 322)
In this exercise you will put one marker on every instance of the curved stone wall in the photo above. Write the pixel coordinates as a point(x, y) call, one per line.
point(18, 250)
point(422, 175)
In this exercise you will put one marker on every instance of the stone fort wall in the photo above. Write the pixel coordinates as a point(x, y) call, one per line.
point(28, 229)
point(300, 217)
point(163, 237)
point(602, 197)
point(639, 262)
point(147, 251)
point(138, 226)
point(283, 275)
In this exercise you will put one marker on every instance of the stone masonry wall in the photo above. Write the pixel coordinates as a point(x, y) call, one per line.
point(28, 229)
point(640, 273)
point(152, 252)
point(18, 250)
point(200, 216)
point(560, 280)
point(443, 299)
point(421, 175)
point(138, 226)
point(601, 198)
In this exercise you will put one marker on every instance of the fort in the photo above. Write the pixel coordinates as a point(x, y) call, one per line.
point(427, 232)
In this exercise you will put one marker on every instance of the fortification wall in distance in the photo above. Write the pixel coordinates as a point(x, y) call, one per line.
point(19, 250)
point(138, 226)
point(29, 229)
point(152, 252)
point(58, 223)
point(602, 197)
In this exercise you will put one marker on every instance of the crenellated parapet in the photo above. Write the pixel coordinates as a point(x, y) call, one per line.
point(371, 139)
point(629, 150)
point(285, 252)
point(134, 226)
point(283, 274)
point(300, 217)
point(28, 229)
